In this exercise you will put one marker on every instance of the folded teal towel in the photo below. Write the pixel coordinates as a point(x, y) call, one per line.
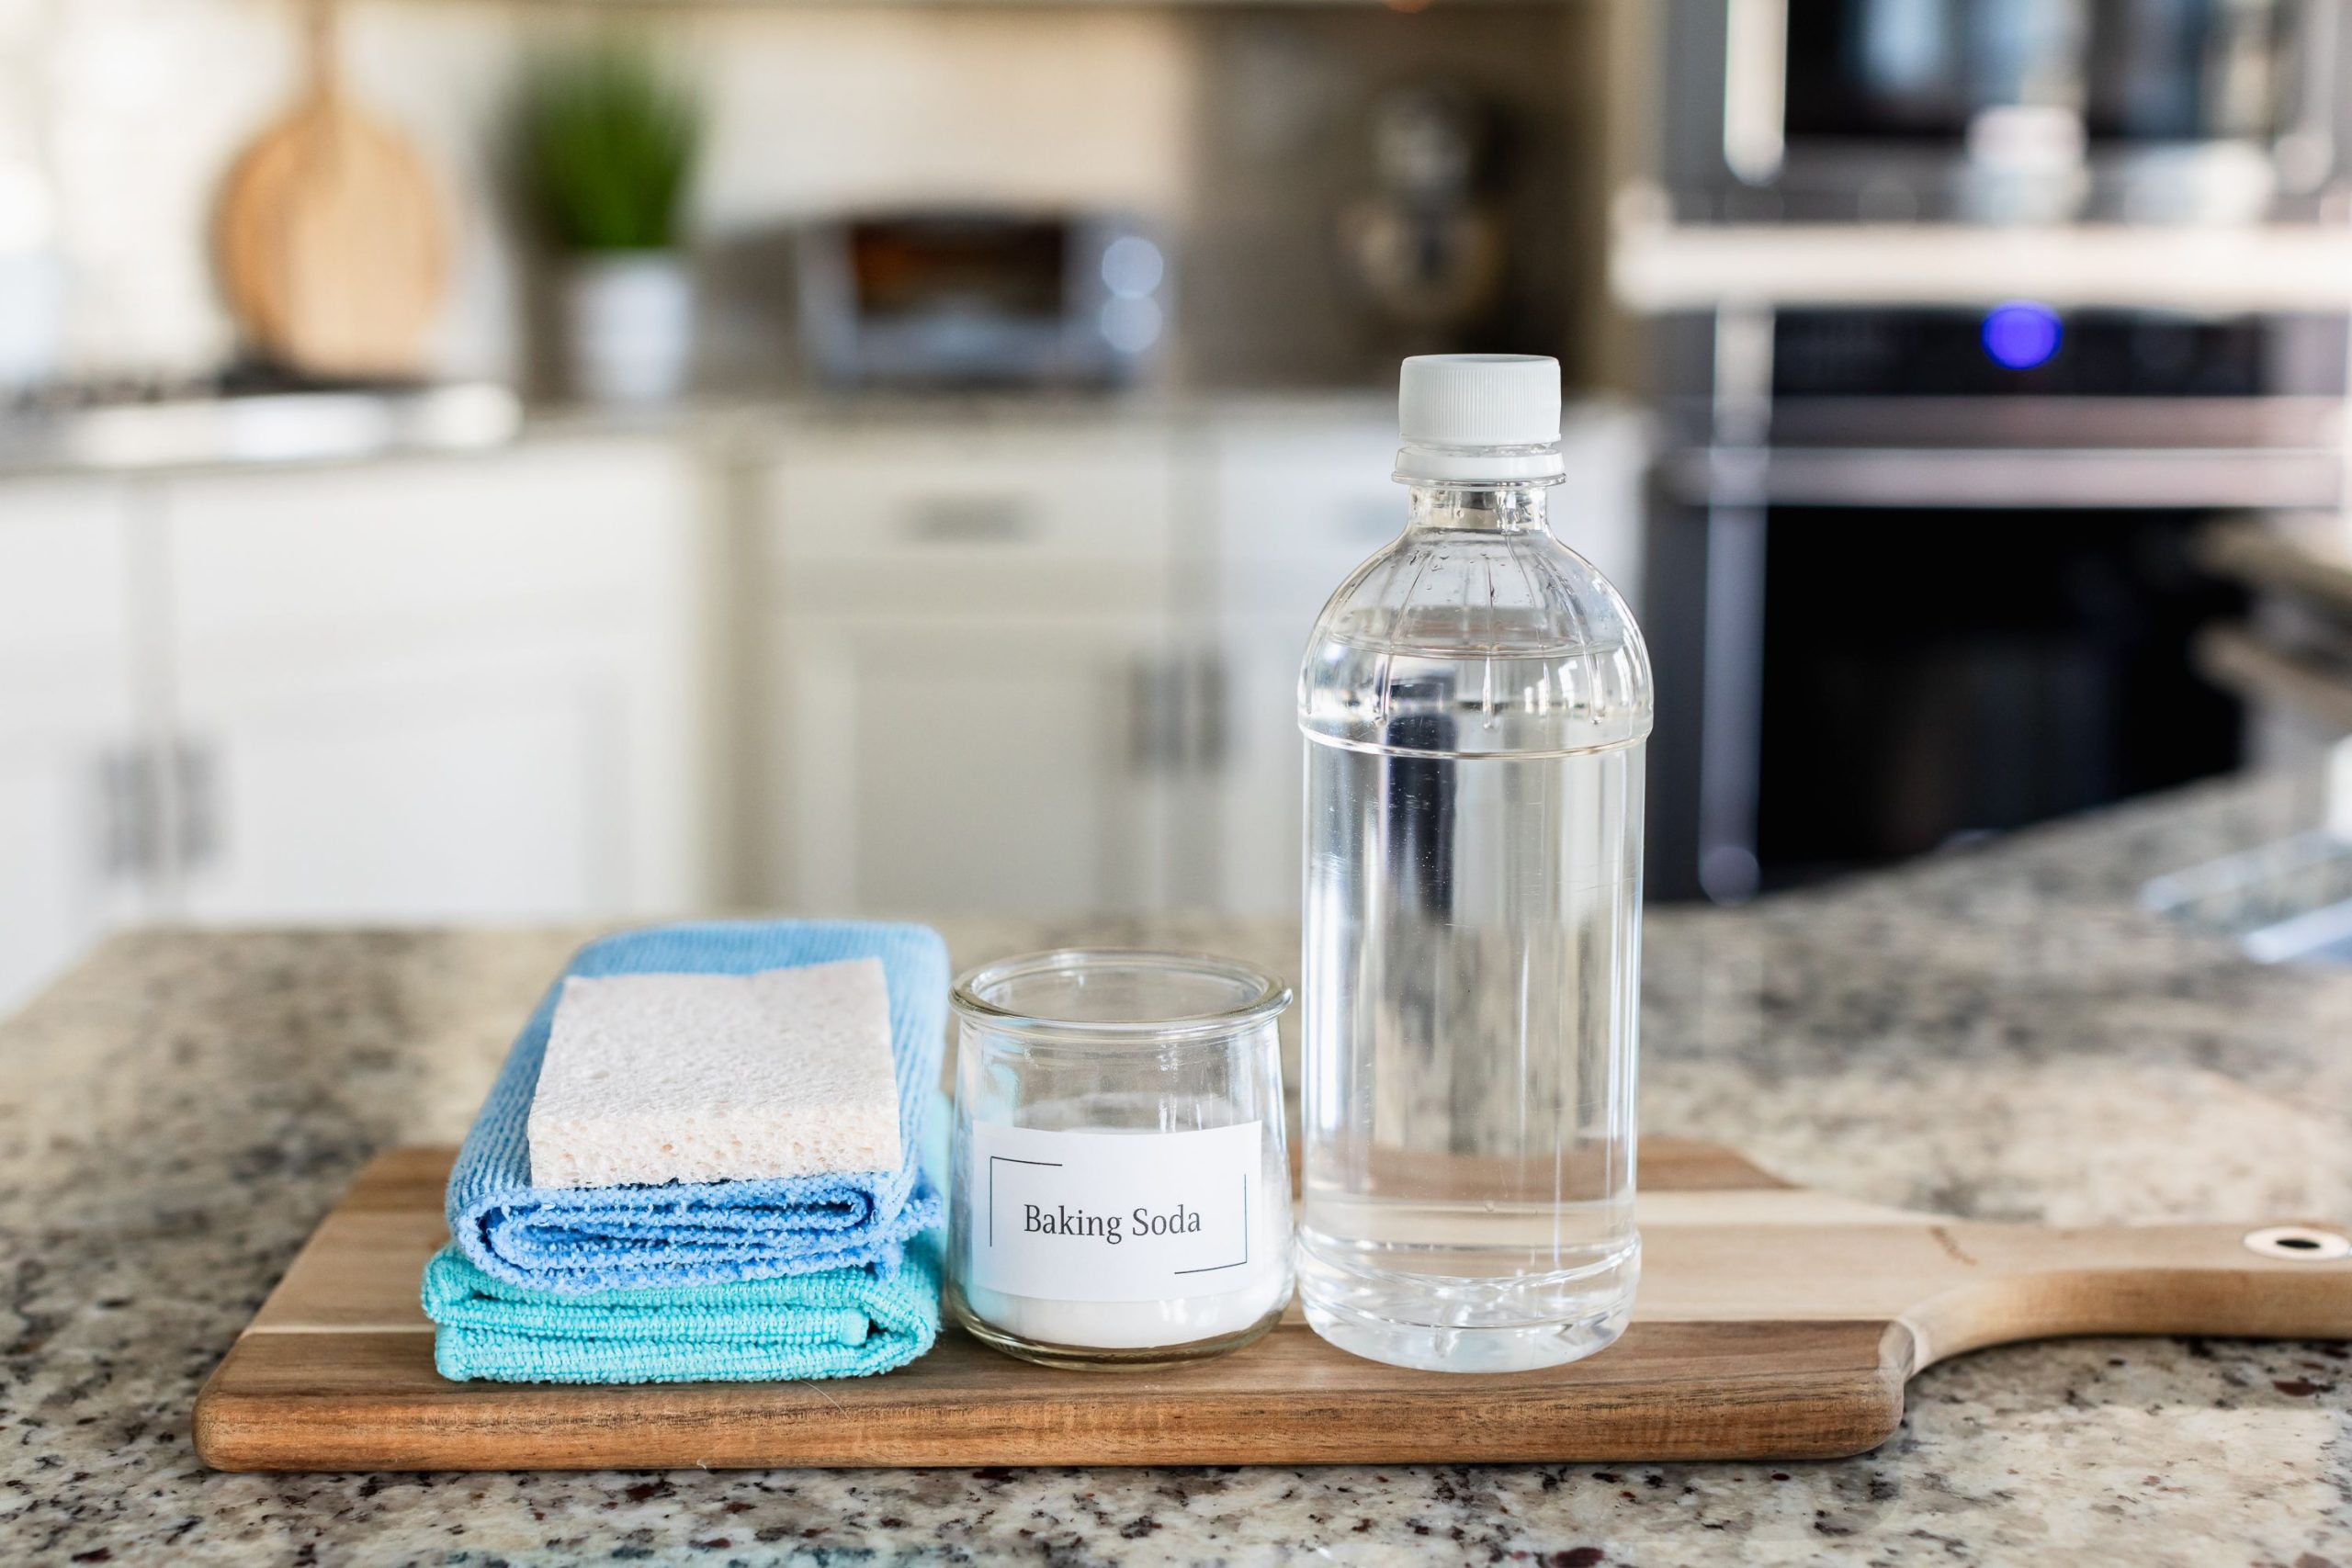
point(839, 1323)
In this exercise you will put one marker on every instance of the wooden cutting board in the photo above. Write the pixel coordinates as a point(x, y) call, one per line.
point(331, 245)
point(1772, 1323)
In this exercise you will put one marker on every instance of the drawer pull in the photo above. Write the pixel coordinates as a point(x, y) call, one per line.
point(970, 520)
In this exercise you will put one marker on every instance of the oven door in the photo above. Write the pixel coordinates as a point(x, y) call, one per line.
point(1932, 674)
point(1865, 655)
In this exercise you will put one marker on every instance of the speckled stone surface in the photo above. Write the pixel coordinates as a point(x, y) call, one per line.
point(1996, 1033)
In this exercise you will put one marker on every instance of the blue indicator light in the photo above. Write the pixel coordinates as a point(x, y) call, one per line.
point(2021, 335)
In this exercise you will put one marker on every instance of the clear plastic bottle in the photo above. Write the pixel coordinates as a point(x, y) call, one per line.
point(1474, 701)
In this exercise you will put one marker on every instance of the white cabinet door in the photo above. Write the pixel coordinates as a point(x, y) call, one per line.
point(54, 864)
point(422, 690)
point(986, 768)
point(969, 700)
point(481, 791)
point(70, 777)
point(1301, 499)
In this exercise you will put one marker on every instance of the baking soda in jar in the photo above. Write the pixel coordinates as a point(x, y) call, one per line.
point(1120, 1190)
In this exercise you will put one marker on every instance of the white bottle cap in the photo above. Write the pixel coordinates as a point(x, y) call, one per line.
point(1479, 416)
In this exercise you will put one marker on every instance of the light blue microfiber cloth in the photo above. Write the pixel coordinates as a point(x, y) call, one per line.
point(843, 1323)
point(569, 1241)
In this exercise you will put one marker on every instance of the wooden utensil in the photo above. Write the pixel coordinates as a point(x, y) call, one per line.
point(1772, 1323)
point(331, 245)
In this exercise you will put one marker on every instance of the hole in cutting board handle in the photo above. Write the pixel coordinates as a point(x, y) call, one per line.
point(2298, 1243)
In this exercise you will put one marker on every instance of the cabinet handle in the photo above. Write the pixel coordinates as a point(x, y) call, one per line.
point(1155, 715)
point(970, 520)
point(1210, 713)
point(1177, 713)
point(195, 778)
point(126, 812)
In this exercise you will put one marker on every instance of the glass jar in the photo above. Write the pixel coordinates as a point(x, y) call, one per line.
point(1120, 1196)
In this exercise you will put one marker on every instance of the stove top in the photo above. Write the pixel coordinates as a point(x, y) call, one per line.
point(245, 414)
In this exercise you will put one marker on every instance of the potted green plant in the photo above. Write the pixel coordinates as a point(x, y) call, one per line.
point(609, 145)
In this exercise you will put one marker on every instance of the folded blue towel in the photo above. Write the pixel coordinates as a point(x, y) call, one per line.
point(580, 1239)
point(843, 1323)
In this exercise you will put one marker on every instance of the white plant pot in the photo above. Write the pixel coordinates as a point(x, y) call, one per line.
point(628, 322)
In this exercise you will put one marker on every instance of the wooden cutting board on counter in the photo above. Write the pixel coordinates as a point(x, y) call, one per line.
point(329, 239)
point(1772, 1323)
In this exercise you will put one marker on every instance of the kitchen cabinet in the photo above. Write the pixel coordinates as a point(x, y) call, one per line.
point(453, 688)
point(1023, 659)
point(70, 782)
point(427, 689)
point(971, 678)
point(1044, 663)
point(469, 793)
point(1300, 498)
point(963, 767)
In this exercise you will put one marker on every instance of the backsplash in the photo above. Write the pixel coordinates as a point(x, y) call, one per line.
point(1237, 130)
point(117, 118)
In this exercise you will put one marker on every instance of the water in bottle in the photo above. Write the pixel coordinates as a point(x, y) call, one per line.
point(1474, 701)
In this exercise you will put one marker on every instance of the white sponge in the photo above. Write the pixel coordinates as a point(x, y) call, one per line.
point(716, 1078)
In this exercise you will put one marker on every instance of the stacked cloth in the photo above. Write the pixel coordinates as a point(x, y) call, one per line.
point(842, 1323)
point(804, 1277)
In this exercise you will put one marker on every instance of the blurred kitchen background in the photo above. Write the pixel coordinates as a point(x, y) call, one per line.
point(505, 459)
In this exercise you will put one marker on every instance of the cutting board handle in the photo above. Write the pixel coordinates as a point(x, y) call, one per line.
point(2287, 1279)
point(319, 59)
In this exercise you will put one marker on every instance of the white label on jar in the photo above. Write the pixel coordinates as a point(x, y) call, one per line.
point(1118, 1216)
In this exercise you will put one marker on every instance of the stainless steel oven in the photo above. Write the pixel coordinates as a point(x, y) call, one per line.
point(1929, 111)
point(1969, 316)
point(1916, 574)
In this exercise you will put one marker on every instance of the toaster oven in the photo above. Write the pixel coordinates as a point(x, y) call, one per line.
point(924, 298)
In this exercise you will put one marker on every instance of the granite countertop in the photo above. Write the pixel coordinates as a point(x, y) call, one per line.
point(1998, 1033)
